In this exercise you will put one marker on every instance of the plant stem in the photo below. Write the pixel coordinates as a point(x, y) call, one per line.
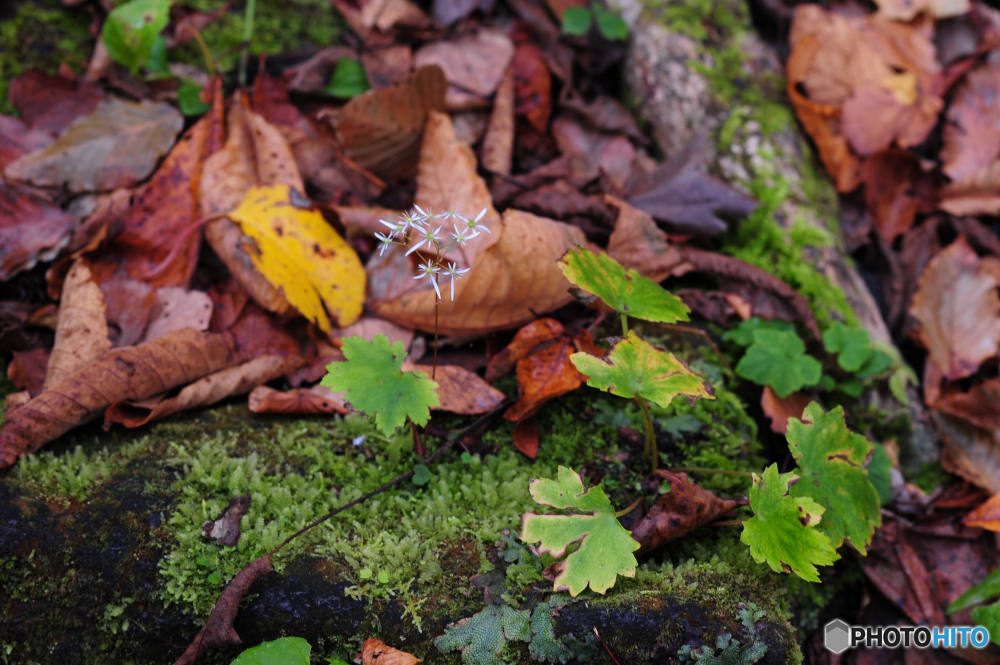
point(248, 18)
point(205, 52)
point(482, 421)
point(633, 506)
point(728, 523)
point(434, 366)
point(647, 423)
point(721, 472)
point(624, 318)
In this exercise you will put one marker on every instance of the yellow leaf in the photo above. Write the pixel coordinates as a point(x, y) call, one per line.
point(300, 253)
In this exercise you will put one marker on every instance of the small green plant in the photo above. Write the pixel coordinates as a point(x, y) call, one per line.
point(634, 369)
point(349, 79)
point(987, 616)
point(282, 651)
point(576, 22)
point(131, 33)
point(375, 383)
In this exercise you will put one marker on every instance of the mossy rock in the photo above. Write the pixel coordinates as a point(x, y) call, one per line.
point(102, 557)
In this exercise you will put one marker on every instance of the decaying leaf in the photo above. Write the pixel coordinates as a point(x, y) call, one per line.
point(32, 229)
point(635, 368)
point(782, 531)
point(498, 143)
point(177, 308)
point(381, 129)
point(117, 145)
point(302, 255)
point(978, 405)
point(376, 652)
point(131, 373)
point(958, 309)
point(218, 631)
point(237, 380)
point(972, 452)
point(475, 63)
point(459, 390)
point(986, 516)
point(907, 10)
point(605, 546)
point(298, 401)
point(52, 103)
point(225, 527)
point(971, 133)
point(625, 291)
point(27, 370)
point(680, 511)
point(129, 304)
point(526, 437)
point(375, 383)
point(831, 462)
point(897, 187)
point(82, 331)
point(524, 342)
point(779, 409)
point(639, 244)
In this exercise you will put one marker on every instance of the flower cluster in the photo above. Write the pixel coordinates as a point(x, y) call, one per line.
point(415, 227)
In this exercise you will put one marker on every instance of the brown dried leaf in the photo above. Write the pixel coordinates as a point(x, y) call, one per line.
point(132, 373)
point(524, 342)
point(979, 405)
point(907, 10)
point(638, 243)
point(52, 103)
point(532, 86)
point(680, 511)
point(605, 114)
point(973, 452)
point(986, 516)
point(218, 631)
point(896, 189)
point(82, 331)
point(387, 14)
point(498, 144)
point(32, 229)
point(229, 382)
point(368, 326)
point(299, 401)
point(225, 527)
point(459, 390)
point(978, 195)
point(117, 145)
point(16, 139)
point(958, 310)
point(128, 305)
point(474, 63)
point(560, 200)
point(526, 437)
point(972, 130)
point(375, 652)
point(27, 370)
point(381, 129)
point(255, 154)
point(779, 410)
point(613, 156)
point(177, 308)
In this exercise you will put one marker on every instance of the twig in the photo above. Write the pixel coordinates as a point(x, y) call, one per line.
point(606, 648)
point(485, 418)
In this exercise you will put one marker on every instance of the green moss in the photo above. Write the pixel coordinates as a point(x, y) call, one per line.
point(42, 34)
point(280, 26)
point(73, 475)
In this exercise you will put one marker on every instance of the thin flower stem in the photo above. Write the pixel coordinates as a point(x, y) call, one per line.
point(205, 52)
point(624, 318)
point(434, 366)
point(647, 422)
point(728, 523)
point(633, 506)
point(721, 472)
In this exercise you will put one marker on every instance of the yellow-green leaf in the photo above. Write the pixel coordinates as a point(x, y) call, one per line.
point(300, 253)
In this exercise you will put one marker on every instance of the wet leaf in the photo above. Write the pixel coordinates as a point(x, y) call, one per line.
point(301, 254)
point(131, 29)
point(376, 652)
point(986, 516)
point(625, 291)
point(117, 145)
point(779, 410)
point(524, 342)
point(635, 368)
point(782, 531)
point(381, 129)
point(831, 462)
point(218, 631)
point(32, 229)
point(958, 310)
point(225, 527)
point(605, 549)
point(376, 384)
point(82, 331)
point(526, 437)
point(680, 511)
point(132, 373)
point(299, 401)
point(778, 359)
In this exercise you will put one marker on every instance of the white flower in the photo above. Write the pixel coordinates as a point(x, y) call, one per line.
point(421, 214)
point(456, 273)
point(463, 236)
point(474, 224)
point(384, 241)
point(430, 271)
point(395, 228)
point(453, 213)
point(413, 219)
point(430, 237)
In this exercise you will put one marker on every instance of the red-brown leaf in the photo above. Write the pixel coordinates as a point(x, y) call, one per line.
point(780, 410)
point(526, 437)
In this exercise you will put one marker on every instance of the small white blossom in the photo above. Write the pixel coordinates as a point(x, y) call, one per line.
point(463, 236)
point(474, 224)
point(456, 273)
point(430, 237)
point(452, 213)
point(384, 241)
point(395, 228)
point(430, 271)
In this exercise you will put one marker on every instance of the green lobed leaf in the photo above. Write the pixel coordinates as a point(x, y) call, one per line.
point(349, 79)
point(576, 21)
point(989, 618)
point(421, 475)
point(743, 333)
point(986, 590)
point(777, 358)
point(189, 99)
point(637, 368)
point(282, 651)
point(625, 291)
point(605, 546)
point(130, 30)
point(783, 530)
point(852, 345)
point(610, 25)
point(831, 462)
point(877, 363)
point(376, 384)
point(878, 473)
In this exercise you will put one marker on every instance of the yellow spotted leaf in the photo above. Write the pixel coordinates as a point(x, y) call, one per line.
point(302, 255)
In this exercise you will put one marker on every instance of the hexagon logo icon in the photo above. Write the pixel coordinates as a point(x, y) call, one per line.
point(837, 636)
